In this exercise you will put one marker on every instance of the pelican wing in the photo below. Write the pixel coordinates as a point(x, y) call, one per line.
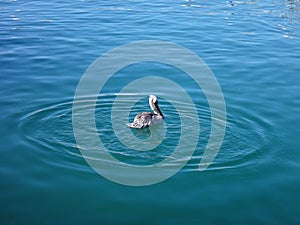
point(142, 120)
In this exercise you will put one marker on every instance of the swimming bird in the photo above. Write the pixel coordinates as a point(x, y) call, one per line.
point(146, 119)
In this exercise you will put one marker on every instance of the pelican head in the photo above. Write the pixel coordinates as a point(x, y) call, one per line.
point(153, 102)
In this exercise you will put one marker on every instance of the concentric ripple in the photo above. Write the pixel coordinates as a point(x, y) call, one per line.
point(49, 128)
point(244, 144)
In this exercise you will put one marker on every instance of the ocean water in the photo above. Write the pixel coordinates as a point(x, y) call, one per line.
point(252, 48)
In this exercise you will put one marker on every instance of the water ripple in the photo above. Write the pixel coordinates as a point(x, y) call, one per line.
point(50, 129)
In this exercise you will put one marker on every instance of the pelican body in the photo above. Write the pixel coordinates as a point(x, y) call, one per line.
point(146, 119)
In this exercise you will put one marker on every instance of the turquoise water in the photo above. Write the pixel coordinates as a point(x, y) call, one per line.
point(252, 47)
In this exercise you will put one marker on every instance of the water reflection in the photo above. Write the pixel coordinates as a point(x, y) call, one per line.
point(292, 4)
point(235, 3)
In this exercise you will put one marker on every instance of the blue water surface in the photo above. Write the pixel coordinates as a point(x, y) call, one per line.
point(252, 47)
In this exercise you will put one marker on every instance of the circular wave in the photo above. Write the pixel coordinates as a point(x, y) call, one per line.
point(49, 128)
point(244, 143)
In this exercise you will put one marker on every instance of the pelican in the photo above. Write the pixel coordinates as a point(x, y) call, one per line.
point(146, 119)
